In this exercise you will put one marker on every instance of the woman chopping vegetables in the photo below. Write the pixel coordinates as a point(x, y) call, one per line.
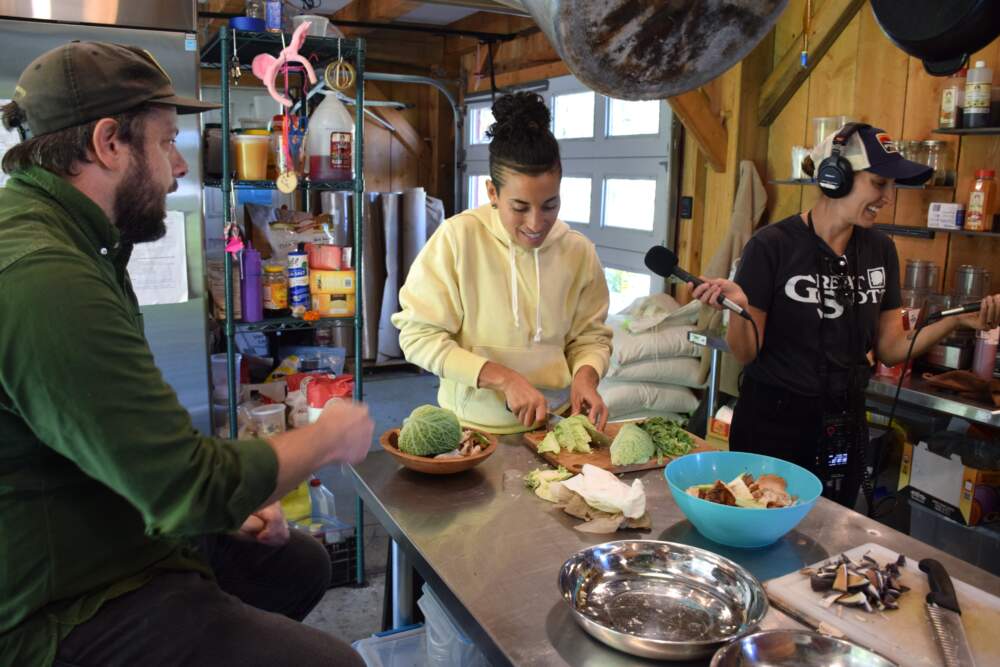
point(505, 303)
point(823, 290)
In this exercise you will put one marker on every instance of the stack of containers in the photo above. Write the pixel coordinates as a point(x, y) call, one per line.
point(654, 367)
point(331, 284)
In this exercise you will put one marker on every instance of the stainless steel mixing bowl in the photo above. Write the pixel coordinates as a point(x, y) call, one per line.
point(795, 648)
point(660, 599)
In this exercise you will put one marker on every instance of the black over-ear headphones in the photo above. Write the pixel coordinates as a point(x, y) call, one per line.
point(835, 175)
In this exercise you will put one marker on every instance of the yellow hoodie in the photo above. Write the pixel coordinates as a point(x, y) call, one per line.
point(473, 296)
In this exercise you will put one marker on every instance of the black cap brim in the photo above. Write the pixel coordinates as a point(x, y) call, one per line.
point(904, 171)
point(186, 105)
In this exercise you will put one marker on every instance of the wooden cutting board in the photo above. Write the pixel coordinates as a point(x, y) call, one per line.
point(601, 456)
point(903, 635)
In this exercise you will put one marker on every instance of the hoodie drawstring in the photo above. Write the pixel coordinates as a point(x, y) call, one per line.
point(513, 287)
point(538, 299)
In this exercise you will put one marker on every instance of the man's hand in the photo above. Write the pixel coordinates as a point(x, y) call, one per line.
point(267, 526)
point(584, 397)
point(988, 316)
point(345, 429)
point(709, 291)
point(526, 402)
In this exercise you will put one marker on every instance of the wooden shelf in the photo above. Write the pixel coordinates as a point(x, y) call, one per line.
point(809, 181)
point(928, 232)
point(971, 131)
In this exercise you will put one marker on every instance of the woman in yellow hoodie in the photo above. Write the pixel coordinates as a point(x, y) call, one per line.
point(505, 303)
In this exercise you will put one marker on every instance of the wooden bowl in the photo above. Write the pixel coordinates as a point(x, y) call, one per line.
point(432, 466)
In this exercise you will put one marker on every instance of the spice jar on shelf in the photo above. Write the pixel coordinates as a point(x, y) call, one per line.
point(275, 292)
point(982, 202)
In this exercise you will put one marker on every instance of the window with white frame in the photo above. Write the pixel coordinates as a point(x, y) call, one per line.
point(616, 158)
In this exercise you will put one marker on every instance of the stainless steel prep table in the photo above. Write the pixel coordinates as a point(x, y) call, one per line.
point(492, 550)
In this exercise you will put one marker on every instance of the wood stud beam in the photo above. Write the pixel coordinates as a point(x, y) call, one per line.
point(786, 77)
point(694, 110)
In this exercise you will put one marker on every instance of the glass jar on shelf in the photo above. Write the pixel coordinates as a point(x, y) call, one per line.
point(936, 156)
point(275, 292)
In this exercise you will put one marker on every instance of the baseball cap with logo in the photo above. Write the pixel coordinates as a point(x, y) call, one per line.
point(872, 149)
point(81, 82)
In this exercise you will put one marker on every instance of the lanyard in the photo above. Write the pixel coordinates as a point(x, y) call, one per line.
point(853, 367)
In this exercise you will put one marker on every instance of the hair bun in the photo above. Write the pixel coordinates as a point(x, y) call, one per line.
point(519, 113)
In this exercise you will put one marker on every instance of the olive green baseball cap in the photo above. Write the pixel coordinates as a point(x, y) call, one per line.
point(80, 82)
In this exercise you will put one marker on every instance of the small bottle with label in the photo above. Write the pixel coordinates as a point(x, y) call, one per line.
point(978, 88)
point(299, 299)
point(952, 100)
point(982, 202)
point(275, 292)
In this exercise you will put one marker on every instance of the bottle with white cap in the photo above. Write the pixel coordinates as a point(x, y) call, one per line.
point(978, 85)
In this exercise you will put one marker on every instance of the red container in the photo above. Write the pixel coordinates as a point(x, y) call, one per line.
point(325, 257)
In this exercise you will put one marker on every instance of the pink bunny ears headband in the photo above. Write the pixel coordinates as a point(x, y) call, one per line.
point(266, 67)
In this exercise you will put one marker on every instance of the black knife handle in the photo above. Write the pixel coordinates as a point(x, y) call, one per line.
point(942, 592)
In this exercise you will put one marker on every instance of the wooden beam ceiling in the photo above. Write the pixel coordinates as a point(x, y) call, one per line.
point(373, 11)
point(694, 110)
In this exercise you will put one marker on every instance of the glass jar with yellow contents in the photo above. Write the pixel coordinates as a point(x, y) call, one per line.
point(275, 290)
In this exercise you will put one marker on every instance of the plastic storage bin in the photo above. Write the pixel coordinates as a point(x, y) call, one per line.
point(447, 646)
point(394, 648)
point(978, 545)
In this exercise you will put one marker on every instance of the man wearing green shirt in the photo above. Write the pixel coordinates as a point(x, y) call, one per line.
point(126, 537)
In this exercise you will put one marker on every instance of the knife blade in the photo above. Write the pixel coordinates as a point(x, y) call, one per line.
point(946, 617)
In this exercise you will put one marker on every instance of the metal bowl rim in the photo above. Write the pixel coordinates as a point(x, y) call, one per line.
point(730, 646)
point(751, 624)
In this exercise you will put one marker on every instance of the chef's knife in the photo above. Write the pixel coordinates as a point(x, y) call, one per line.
point(946, 616)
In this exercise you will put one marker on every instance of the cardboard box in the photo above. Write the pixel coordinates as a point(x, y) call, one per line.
point(331, 282)
point(718, 433)
point(947, 486)
point(945, 215)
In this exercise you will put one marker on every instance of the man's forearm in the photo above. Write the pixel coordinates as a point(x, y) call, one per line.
point(928, 337)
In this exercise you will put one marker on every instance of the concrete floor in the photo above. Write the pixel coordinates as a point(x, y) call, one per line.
point(350, 612)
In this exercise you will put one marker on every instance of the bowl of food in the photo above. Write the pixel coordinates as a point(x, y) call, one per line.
point(661, 600)
point(432, 441)
point(795, 648)
point(740, 499)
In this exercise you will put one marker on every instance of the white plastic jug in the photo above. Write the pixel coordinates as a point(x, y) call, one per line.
point(330, 141)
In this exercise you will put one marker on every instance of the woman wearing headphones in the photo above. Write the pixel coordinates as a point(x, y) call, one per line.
point(823, 290)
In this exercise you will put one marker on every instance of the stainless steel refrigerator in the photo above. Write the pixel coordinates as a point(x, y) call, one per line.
point(177, 332)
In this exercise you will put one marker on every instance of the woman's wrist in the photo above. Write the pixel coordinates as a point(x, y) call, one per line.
point(588, 374)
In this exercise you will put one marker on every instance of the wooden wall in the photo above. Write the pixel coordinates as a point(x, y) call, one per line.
point(864, 76)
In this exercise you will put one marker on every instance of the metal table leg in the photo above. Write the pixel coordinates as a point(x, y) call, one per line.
point(402, 587)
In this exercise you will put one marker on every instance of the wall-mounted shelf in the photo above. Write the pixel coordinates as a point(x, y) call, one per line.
point(981, 131)
point(809, 181)
point(270, 185)
point(928, 232)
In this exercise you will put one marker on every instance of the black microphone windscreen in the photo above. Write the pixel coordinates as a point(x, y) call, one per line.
point(661, 261)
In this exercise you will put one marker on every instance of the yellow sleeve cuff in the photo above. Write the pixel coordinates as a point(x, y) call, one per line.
point(598, 362)
point(463, 367)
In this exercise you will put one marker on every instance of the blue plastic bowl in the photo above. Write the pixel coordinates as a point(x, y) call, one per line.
point(247, 23)
point(740, 526)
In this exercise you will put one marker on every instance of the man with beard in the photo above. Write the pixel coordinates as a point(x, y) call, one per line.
point(126, 537)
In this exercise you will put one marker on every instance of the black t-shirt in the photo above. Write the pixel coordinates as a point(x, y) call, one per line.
point(779, 271)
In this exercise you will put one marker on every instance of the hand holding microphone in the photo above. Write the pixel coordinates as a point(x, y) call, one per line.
point(718, 293)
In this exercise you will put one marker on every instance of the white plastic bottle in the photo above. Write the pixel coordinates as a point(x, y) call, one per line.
point(978, 87)
point(330, 141)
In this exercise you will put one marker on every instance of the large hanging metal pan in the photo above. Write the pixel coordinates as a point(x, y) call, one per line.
point(942, 34)
point(649, 49)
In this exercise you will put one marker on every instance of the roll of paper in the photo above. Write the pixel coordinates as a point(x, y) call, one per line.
point(338, 206)
point(373, 271)
point(388, 335)
point(413, 234)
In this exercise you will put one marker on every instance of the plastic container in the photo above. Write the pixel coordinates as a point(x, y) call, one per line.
point(824, 126)
point(952, 100)
point(298, 283)
point(322, 503)
point(740, 526)
point(272, 15)
point(317, 24)
point(978, 91)
point(325, 257)
point(274, 289)
point(447, 645)
point(268, 419)
point(984, 357)
point(404, 647)
point(251, 301)
point(247, 23)
point(250, 151)
point(220, 372)
point(982, 204)
point(330, 142)
point(321, 391)
point(799, 154)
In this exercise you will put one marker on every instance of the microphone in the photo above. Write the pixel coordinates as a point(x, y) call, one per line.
point(663, 262)
point(959, 310)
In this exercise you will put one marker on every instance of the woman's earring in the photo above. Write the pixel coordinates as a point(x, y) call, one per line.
point(493, 204)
